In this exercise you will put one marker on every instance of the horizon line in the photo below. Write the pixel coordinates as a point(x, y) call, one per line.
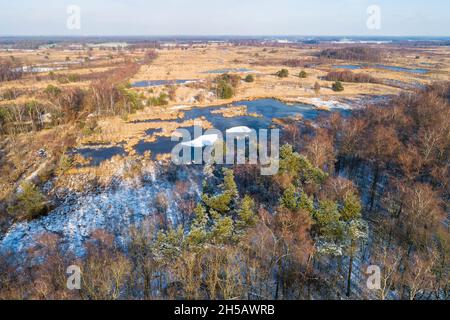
point(225, 35)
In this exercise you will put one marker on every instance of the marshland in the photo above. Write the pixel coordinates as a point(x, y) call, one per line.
point(87, 177)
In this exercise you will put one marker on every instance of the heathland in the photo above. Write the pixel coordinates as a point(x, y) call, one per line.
point(86, 176)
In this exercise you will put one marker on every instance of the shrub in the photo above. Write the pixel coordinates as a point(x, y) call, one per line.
point(52, 90)
point(232, 79)
point(317, 88)
point(224, 90)
point(173, 93)
point(9, 94)
point(226, 85)
point(161, 100)
point(63, 80)
point(74, 77)
point(4, 115)
point(249, 78)
point(283, 73)
point(200, 98)
point(337, 86)
point(303, 74)
point(29, 204)
point(65, 163)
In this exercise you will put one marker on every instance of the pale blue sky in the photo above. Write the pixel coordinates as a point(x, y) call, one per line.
point(225, 17)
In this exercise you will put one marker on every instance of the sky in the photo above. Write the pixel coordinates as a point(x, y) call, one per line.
point(225, 17)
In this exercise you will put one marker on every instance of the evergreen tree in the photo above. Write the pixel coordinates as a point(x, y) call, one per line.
point(222, 230)
point(283, 73)
point(338, 86)
point(306, 203)
point(246, 214)
point(30, 203)
point(298, 167)
point(328, 221)
point(250, 78)
point(229, 185)
point(351, 209)
point(289, 200)
point(169, 244)
point(198, 232)
point(220, 203)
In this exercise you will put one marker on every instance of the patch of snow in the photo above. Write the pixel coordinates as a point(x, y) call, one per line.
point(330, 104)
point(203, 141)
point(239, 130)
point(180, 107)
point(30, 69)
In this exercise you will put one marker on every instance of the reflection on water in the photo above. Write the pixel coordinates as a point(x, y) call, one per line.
point(157, 83)
point(266, 109)
point(401, 69)
point(381, 66)
point(161, 146)
point(347, 66)
point(98, 155)
point(227, 70)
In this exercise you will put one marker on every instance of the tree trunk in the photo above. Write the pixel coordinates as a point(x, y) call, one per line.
point(350, 269)
point(374, 186)
point(349, 278)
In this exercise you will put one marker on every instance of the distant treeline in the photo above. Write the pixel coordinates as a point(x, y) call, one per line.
point(348, 76)
point(292, 63)
point(353, 54)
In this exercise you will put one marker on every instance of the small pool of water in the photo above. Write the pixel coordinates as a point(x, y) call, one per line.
point(401, 69)
point(157, 83)
point(347, 67)
point(403, 85)
point(153, 131)
point(98, 155)
point(382, 66)
point(161, 146)
point(228, 70)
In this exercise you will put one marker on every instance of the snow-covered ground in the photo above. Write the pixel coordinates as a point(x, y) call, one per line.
point(114, 210)
point(210, 139)
point(330, 104)
point(238, 130)
point(180, 107)
point(202, 141)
